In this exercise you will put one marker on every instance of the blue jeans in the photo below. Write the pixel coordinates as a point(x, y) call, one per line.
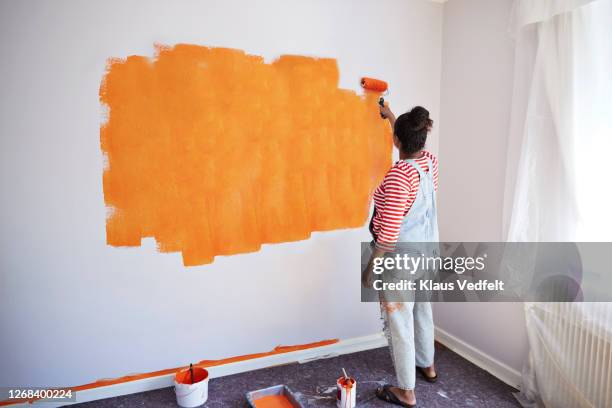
point(409, 329)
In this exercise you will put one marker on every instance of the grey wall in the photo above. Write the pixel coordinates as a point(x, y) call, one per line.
point(475, 100)
point(73, 309)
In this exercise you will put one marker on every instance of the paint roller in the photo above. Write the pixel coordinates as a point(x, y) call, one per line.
point(375, 85)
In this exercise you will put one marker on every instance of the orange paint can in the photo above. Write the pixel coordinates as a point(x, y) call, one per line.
point(191, 387)
point(347, 392)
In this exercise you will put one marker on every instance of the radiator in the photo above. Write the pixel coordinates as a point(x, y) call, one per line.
point(570, 359)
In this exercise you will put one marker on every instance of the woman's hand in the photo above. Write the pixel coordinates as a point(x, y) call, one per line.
point(386, 113)
point(367, 277)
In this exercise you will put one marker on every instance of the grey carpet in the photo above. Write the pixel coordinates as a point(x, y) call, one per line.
point(461, 384)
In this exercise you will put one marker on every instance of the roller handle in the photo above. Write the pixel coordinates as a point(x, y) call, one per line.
point(381, 102)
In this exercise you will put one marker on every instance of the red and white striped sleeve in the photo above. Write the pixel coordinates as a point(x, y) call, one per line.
point(398, 196)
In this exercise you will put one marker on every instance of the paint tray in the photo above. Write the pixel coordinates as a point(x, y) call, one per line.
point(275, 390)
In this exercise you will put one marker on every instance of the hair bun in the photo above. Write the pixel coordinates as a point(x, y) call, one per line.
point(419, 119)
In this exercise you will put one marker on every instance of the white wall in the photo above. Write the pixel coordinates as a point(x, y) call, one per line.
point(75, 310)
point(476, 91)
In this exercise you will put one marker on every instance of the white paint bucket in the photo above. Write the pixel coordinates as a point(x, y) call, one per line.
point(347, 393)
point(188, 394)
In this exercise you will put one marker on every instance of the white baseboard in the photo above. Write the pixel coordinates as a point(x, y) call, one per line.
point(347, 346)
point(493, 366)
point(498, 369)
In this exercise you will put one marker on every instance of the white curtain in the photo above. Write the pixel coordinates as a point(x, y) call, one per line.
point(558, 185)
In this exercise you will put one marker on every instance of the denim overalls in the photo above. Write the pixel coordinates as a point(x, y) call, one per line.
point(408, 326)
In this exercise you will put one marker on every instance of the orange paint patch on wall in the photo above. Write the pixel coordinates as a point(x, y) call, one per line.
point(213, 152)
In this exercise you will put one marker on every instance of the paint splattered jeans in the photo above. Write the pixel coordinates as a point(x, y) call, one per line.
point(410, 331)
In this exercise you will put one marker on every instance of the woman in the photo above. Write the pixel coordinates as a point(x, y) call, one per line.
point(405, 211)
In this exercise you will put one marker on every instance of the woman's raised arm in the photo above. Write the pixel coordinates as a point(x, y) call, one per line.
point(386, 113)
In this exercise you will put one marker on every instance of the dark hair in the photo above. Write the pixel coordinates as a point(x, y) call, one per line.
point(411, 129)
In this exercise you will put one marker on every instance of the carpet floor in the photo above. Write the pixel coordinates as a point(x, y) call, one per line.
point(460, 384)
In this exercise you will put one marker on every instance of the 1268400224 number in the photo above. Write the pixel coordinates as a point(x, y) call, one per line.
point(39, 393)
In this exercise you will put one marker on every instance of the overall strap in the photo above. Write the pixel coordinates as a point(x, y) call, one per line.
point(418, 168)
point(430, 167)
point(424, 177)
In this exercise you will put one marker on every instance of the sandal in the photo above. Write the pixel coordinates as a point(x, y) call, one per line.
point(427, 378)
point(387, 395)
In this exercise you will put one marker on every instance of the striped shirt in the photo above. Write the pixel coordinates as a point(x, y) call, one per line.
point(394, 197)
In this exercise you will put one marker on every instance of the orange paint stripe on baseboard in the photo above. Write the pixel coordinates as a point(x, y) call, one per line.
point(203, 364)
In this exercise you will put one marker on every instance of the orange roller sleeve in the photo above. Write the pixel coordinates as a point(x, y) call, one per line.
point(372, 84)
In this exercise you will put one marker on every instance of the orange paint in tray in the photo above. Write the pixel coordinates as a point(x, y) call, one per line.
point(273, 401)
point(277, 396)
